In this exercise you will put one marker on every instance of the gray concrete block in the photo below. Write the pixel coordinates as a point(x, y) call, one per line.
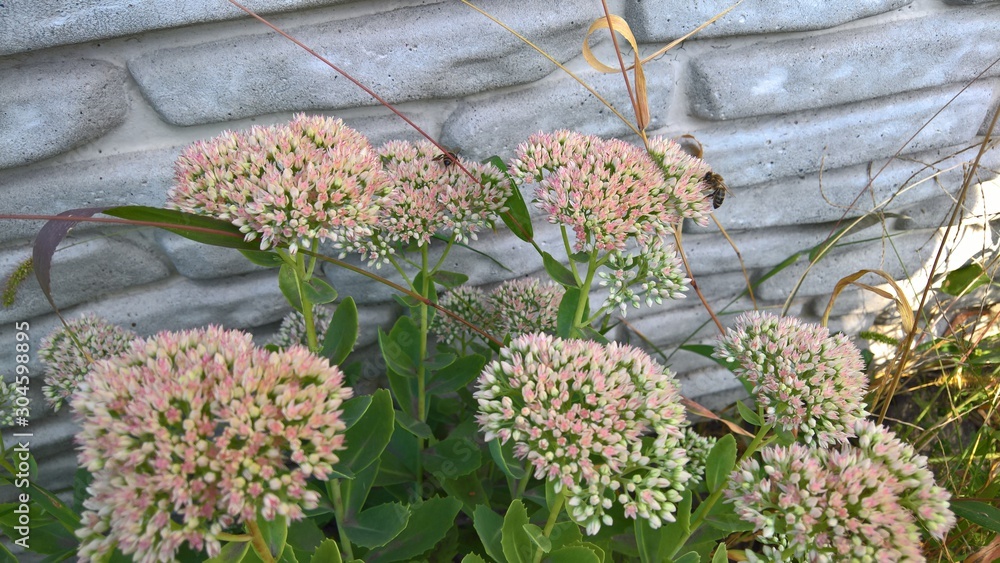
point(714, 388)
point(853, 191)
point(28, 26)
point(52, 107)
point(200, 261)
point(901, 256)
point(140, 178)
point(83, 270)
point(761, 149)
point(670, 19)
point(398, 54)
point(496, 124)
point(967, 2)
point(846, 66)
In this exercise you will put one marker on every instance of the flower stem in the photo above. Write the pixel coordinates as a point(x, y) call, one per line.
point(554, 511)
point(702, 513)
point(338, 512)
point(423, 290)
point(258, 543)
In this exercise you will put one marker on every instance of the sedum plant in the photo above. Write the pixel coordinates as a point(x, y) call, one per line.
point(507, 427)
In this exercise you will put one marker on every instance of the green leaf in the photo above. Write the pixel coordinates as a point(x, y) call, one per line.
point(404, 389)
point(342, 333)
point(268, 259)
point(81, 480)
point(965, 279)
point(399, 461)
point(449, 280)
point(453, 457)
point(517, 218)
point(369, 436)
point(565, 534)
point(689, 557)
point(467, 488)
point(401, 347)
point(55, 507)
point(473, 558)
point(978, 513)
point(649, 542)
point(275, 532)
point(232, 552)
point(517, 544)
point(377, 526)
point(318, 291)
point(223, 233)
point(673, 533)
point(574, 554)
point(429, 523)
point(720, 463)
point(457, 375)
point(304, 536)
point(328, 552)
point(288, 556)
point(748, 415)
point(720, 554)
point(559, 273)
point(566, 317)
point(489, 525)
point(503, 456)
point(355, 491)
point(538, 538)
point(413, 426)
point(288, 283)
point(354, 408)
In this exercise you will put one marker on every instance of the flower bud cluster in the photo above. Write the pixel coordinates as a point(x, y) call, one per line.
point(807, 382)
point(851, 503)
point(514, 307)
point(70, 351)
point(603, 423)
point(190, 433)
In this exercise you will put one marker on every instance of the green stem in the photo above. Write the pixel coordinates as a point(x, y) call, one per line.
point(592, 267)
point(258, 543)
point(338, 512)
point(554, 511)
point(706, 506)
point(423, 290)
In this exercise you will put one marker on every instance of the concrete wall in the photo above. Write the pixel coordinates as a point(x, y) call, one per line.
point(798, 104)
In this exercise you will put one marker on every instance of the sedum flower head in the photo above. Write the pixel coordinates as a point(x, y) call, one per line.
point(817, 504)
point(292, 330)
point(8, 404)
point(68, 361)
point(807, 381)
point(525, 305)
point(609, 191)
point(514, 307)
point(432, 195)
point(294, 184)
point(190, 433)
point(652, 273)
point(602, 422)
point(468, 302)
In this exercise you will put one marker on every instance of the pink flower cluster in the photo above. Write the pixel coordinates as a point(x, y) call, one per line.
point(70, 351)
point(852, 503)
point(434, 195)
point(314, 178)
point(514, 307)
point(602, 422)
point(190, 433)
point(609, 191)
point(808, 382)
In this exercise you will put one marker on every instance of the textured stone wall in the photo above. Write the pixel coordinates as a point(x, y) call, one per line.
point(798, 104)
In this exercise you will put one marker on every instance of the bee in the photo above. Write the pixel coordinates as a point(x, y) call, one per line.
point(717, 188)
point(448, 157)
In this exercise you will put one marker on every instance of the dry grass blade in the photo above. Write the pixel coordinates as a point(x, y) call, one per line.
point(907, 316)
point(615, 24)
